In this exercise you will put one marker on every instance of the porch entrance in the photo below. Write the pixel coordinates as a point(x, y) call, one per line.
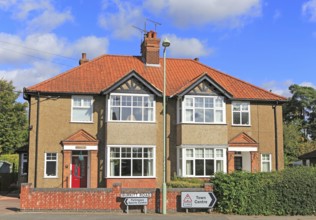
point(79, 173)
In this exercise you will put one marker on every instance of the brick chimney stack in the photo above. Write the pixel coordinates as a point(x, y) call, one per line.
point(83, 59)
point(150, 48)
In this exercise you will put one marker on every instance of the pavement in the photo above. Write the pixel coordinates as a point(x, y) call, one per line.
point(9, 210)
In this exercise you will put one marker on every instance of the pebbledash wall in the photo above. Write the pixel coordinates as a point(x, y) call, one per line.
point(98, 199)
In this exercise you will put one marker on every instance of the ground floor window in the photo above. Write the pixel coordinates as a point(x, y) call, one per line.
point(131, 161)
point(24, 163)
point(266, 163)
point(201, 161)
point(50, 165)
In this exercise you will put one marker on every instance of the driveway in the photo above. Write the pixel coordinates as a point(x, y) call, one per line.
point(9, 210)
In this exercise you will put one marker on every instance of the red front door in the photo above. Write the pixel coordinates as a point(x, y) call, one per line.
point(79, 172)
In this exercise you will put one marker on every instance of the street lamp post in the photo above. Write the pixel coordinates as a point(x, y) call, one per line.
point(165, 44)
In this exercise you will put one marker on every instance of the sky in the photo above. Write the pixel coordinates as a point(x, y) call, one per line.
point(269, 43)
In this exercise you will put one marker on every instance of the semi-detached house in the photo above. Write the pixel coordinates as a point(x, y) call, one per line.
point(102, 123)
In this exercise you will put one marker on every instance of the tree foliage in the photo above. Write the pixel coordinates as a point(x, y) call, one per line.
point(299, 115)
point(13, 119)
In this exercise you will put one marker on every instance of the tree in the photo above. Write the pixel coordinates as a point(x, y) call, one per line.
point(13, 119)
point(299, 129)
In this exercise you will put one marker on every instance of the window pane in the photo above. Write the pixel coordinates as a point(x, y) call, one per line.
point(137, 167)
point(137, 113)
point(50, 168)
point(126, 100)
point(137, 101)
point(86, 102)
point(189, 152)
point(199, 115)
point(115, 167)
point(115, 100)
point(126, 152)
point(199, 167)
point(137, 152)
point(199, 102)
point(126, 167)
point(236, 118)
point(209, 115)
point(219, 102)
point(76, 102)
point(81, 114)
point(189, 102)
point(148, 153)
point(209, 103)
point(127, 114)
point(245, 118)
point(209, 153)
point(189, 167)
point(148, 114)
point(148, 167)
point(219, 116)
point(236, 106)
point(209, 167)
point(219, 153)
point(219, 166)
point(189, 115)
point(24, 167)
point(199, 153)
point(245, 106)
point(265, 166)
point(115, 113)
point(115, 152)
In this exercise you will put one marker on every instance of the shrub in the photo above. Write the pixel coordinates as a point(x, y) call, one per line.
point(289, 192)
point(185, 183)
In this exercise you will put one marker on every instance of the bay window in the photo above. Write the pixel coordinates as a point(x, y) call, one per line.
point(131, 107)
point(201, 161)
point(241, 113)
point(127, 161)
point(203, 109)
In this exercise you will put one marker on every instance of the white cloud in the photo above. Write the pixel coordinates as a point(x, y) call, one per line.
point(308, 84)
point(27, 61)
point(309, 10)
point(279, 88)
point(185, 13)
point(186, 47)
point(121, 19)
point(5, 4)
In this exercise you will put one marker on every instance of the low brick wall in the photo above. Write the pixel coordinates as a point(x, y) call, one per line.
point(100, 199)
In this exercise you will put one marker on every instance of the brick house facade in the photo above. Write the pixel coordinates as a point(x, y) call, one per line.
point(101, 123)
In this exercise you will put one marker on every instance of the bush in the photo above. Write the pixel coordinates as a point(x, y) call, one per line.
point(289, 192)
point(185, 183)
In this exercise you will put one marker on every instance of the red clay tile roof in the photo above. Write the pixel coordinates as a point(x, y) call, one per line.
point(102, 72)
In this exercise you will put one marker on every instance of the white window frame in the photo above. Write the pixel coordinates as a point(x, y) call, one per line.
point(215, 108)
point(241, 111)
point(182, 158)
point(142, 107)
point(82, 107)
point(50, 160)
point(266, 161)
point(108, 159)
point(23, 160)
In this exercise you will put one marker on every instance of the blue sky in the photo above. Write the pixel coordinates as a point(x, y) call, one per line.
point(269, 43)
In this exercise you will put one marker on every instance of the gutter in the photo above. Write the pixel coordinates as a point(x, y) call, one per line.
point(276, 136)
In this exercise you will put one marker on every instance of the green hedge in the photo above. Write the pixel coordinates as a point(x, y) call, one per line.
point(289, 192)
point(178, 182)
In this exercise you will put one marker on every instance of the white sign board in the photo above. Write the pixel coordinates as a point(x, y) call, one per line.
point(197, 199)
point(132, 195)
point(136, 201)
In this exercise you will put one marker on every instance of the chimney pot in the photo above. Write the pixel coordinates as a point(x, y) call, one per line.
point(83, 59)
point(197, 59)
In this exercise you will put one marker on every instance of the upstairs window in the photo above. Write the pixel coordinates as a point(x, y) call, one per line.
point(132, 107)
point(203, 109)
point(82, 109)
point(241, 113)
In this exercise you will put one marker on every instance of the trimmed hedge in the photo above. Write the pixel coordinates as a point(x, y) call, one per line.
point(185, 183)
point(288, 192)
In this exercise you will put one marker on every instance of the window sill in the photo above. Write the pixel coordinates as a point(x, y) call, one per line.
point(133, 122)
point(200, 123)
point(131, 177)
point(81, 122)
point(50, 177)
point(241, 125)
